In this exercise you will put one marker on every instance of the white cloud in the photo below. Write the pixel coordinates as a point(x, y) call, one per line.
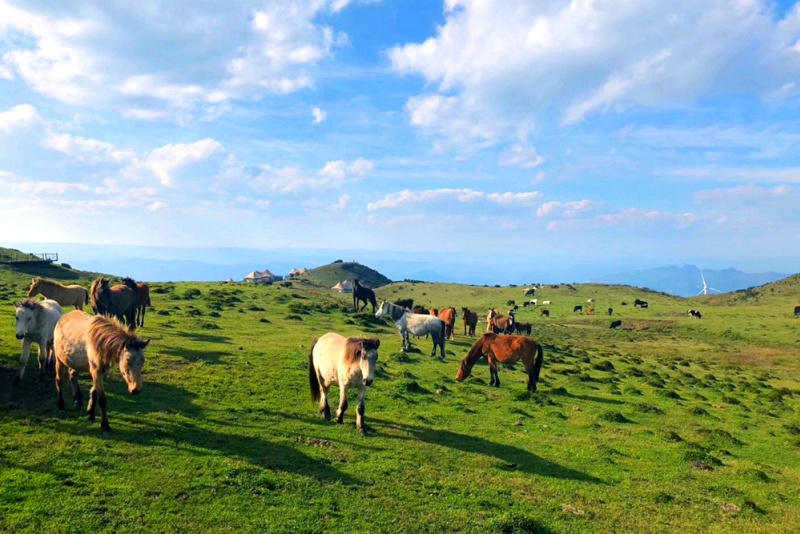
point(208, 53)
point(87, 150)
point(165, 162)
point(291, 179)
point(744, 194)
point(319, 115)
point(495, 65)
point(407, 196)
point(564, 209)
point(20, 116)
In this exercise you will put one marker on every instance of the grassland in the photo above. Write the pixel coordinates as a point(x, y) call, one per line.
point(668, 425)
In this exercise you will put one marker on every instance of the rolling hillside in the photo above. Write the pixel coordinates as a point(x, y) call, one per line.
point(333, 273)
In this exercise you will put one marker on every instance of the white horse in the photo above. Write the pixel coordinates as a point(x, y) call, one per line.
point(417, 324)
point(36, 321)
point(335, 359)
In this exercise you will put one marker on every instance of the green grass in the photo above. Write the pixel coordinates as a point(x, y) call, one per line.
point(668, 425)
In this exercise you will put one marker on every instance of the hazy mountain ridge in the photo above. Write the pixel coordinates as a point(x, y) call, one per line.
point(687, 281)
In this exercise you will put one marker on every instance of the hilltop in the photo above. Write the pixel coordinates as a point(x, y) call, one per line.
point(333, 273)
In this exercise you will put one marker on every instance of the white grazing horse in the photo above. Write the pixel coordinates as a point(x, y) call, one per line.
point(36, 321)
point(417, 324)
point(335, 359)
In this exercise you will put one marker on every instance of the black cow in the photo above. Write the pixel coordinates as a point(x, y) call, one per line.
point(577, 308)
point(624, 303)
point(526, 304)
point(544, 313)
point(510, 303)
point(616, 325)
point(640, 303)
point(796, 311)
point(611, 311)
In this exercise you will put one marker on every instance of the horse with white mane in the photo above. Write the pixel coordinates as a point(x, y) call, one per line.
point(419, 325)
point(36, 321)
point(71, 295)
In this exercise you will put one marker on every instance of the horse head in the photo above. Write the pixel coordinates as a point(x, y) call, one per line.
point(131, 362)
point(368, 358)
point(25, 317)
point(34, 286)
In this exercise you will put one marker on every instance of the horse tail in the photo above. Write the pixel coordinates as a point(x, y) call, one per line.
point(313, 381)
point(537, 366)
point(86, 292)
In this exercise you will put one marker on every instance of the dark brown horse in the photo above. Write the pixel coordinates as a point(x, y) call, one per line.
point(142, 301)
point(500, 324)
point(420, 310)
point(362, 294)
point(523, 328)
point(504, 349)
point(117, 301)
point(470, 321)
point(448, 315)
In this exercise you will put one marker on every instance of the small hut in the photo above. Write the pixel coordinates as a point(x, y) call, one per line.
point(345, 286)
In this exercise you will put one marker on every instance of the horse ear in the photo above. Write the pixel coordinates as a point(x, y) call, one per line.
point(376, 342)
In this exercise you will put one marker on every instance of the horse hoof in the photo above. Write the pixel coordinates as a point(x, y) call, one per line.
point(363, 432)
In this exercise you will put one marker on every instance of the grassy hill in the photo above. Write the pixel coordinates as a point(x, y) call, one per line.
point(331, 274)
point(669, 424)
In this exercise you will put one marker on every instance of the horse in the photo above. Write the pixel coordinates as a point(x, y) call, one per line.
point(142, 302)
point(36, 321)
point(362, 294)
point(420, 310)
point(434, 312)
point(405, 303)
point(448, 315)
point(470, 321)
point(118, 301)
point(417, 324)
point(616, 325)
point(335, 359)
point(544, 313)
point(523, 328)
point(499, 323)
point(590, 311)
point(72, 295)
point(93, 344)
point(504, 349)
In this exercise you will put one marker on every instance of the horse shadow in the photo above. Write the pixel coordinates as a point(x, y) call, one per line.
point(195, 355)
point(588, 398)
point(204, 338)
point(511, 458)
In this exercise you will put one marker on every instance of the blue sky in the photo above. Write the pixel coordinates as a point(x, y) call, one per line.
point(570, 130)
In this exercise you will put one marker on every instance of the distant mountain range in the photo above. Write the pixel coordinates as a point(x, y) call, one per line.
point(687, 281)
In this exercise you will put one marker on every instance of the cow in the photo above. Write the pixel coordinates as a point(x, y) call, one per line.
point(796, 311)
point(530, 292)
point(534, 302)
point(590, 301)
point(510, 303)
point(624, 303)
point(611, 311)
point(643, 305)
point(544, 313)
point(577, 308)
point(590, 311)
point(546, 302)
point(616, 325)
point(526, 304)
point(640, 303)
point(695, 314)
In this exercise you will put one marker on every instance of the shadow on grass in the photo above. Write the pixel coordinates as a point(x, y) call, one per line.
point(195, 355)
point(512, 457)
point(204, 338)
point(590, 398)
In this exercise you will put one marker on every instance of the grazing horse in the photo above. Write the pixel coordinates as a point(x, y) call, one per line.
point(523, 328)
point(72, 295)
point(470, 321)
point(417, 324)
point(578, 309)
point(36, 320)
point(118, 301)
point(544, 313)
point(93, 344)
point(405, 303)
point(335, 359)
point(362, 294)
point(142, 302)
point(448, 315)
point(504, 349)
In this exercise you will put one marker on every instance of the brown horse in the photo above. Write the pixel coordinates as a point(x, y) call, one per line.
point(500, 324)
point(142, 302)
point(504, 349)
point(470, 321)
point(118, 301)
point(72, 295)
point(448, 315)
point(93, 344)
point(420, 310)
point(523, 328)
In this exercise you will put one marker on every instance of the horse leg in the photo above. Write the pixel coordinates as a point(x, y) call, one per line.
point(362, 395)
point(324, 407)
point(104, 426)
point(494, 379)
point(77, 394)
point(92, 402)
point(99, 393)
point(141, 314)
point(23, 359)
point(342, 401)
point(62, 375)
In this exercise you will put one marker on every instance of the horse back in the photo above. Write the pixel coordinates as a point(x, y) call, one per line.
point(69, 340)
point(510, 349)
point(327, 354)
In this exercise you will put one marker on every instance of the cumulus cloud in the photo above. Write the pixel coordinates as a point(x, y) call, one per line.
point(292, 179)
point(497, 64)
point(87, 150)
point(744, 194)
point(319, 115)
point(165, 162)
point(18, 117)
point(407, 196)
point(564, 209)
point(208, 53)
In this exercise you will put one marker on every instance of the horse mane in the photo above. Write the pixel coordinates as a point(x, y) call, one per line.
point(30, 303)
point(130, 282)
point(395, 312)
point(110, 337)
point(352, 349)
point(475, 353)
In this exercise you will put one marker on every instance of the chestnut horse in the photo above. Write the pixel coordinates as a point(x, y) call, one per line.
point(72, 295)
point(93, 344)
point(499, 324)
point(448, 315)
point(142, 302)
point(504, 349)
point(470, 321)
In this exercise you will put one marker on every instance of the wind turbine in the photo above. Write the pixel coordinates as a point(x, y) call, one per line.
point(705, 289)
